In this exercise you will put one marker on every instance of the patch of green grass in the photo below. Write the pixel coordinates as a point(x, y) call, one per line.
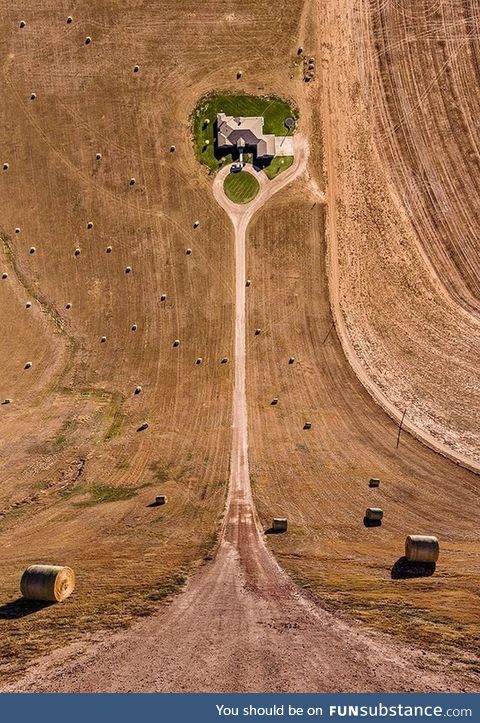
point(99, 494)
point(274, 110)
point(241, 187)
point(278, 164)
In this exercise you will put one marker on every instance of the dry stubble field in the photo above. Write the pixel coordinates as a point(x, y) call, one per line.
point(69, 438)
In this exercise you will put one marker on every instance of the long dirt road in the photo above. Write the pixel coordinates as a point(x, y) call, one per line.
point(241, 624)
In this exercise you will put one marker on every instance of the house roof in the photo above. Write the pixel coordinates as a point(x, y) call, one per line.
point(244, 131)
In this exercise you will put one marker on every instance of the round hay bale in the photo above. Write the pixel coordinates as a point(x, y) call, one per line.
point(224, 360)
point(274, 401)
point(22, 23)
point(4, 275)
point(51, 583)
point(307, 425)
point(68, 306)
point(17, 230)
point(374, 482)
point(239, 74)
point(103, 339)
point(98, 156)
point(89, 225)
point(33, 96)
point(176, 342)
point(300, 50)
point(161, 500)
point(142, 427)
point(88, 40)
point(188, 252)
point(69, 19)
point(279, 524)
point(248, 282)
point(257, 332)
point(128, 269)
point(421, 548)
point(32, 249)
point(291, 360)
point(134, 327)
point(131, 182)
point(109, 249)
point(163, 297)
point(77, 252)
point(5, 166)
point(136, 68)
point(28, 305)
point(137, 390)
point(196, 224)
point(374, 513)
point(199, 360)
point(28, 365)
point(173, 149)
point(7, 401)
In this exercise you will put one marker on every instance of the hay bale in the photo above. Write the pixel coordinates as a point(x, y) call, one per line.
point(239, 74)
point(291, 360)
point(22, 23)
point(248, 282)
point(374, 482)
point(131, 182)
point(138, 390)
point(307, 425)
point(128, 269)
point(199, 360)
point(142, 427)
point(188, 252)
point(374, 513)
point(68, 305)
point(163, 297)
point(69, 19)
point(28, 365)
point(33, 96)
point(109, 249)
point(103, 339)
point(4, 276)
point(134, 327)
point(88, 40)
point(90, 225)
point(136, 68)
point(98, 156)
point(257, 332)
point(172, 149)
point(17, 230)
point(7, 401)
point(5, 166)
point(279, 524)
point(274, 401)
point(51, 583)
point(32, 249)
point(176, 342)
point(196, 224)
point(224, 360)
point(161, 500)
point(28, 305)
point(77, 252)
point(421, 548)
point(300, 50)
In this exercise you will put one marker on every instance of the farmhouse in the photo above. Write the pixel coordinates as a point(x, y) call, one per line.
point(245, 133)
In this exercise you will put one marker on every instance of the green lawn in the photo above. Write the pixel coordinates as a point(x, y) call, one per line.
point(278, 164)
point(274, 110)
point(241, 187)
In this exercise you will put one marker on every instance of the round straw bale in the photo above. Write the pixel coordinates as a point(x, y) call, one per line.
point(109, 249)
point(68, 305)
point(51, 583)
point(199, 360)
point(196, 224)
point(374, 513)
point(224, 360)
point(98, 156)
point(134, 327)
point(143, 427)
point(163, 297)
point(274, 401)
point(176, 342)
point(88, 40)
point(7, 401)
point(280, 524)
point(136, 68)
point(188, 252)
point(17, 230)
point(248, 282)
point(257, 332)
point(173, 149)
point(90, 224)
point(239, 74)
point(307, 425)
point(28, 305)
point(137, 390)
point(28, 365)
point(22, 23)
point(69, 19)
point(291, 360)
point(4, 275)
point(103, 339)
point(77, 252)
point(33, 96)
point(5, 166)
point(421, 548)
point(32, 249)
point(128, 269)
point(131, 182)
point(374, 482)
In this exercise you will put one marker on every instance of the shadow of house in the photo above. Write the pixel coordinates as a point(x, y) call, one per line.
point(21, 607)
point(404, 569)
